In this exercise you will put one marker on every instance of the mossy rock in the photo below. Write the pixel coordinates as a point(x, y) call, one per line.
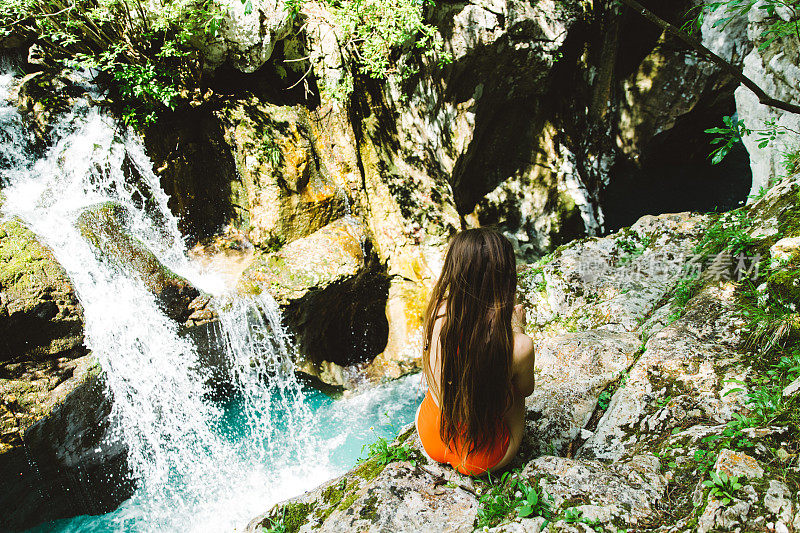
point(40, 316)
point(332, 254)
point(785, 285)
point(106, 227)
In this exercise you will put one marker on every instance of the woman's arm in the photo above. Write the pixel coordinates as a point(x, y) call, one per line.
point(524, 357)
point(524, 360)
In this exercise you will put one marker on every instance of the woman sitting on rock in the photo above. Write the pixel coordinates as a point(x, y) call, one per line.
point(477, 361)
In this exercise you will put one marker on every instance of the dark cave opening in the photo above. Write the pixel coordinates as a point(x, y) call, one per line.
point(675, 174)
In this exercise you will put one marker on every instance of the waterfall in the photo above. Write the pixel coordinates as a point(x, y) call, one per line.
point(185, 466)
point(199, 465)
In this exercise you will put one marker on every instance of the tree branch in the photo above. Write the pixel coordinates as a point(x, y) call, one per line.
point(763, 97)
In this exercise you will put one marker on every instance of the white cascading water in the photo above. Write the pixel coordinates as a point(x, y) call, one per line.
point(196, 469)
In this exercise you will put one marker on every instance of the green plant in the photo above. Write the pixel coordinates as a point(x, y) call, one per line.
point(685, 290)
point(733, 130)
point(270, 150)
point(762, 192)
point(374, 31)
point(604, 399)
point(275, 526)
point(776, 27)
point(727, 136)
point(146, 53)
point(722, 486)
point(791, 162)
point(573, 515)
point(384, 452)
point(769, 321)
point(727, 234)
point(631, 248)
point(293, 7)
point(508, 494)
point(534, 503)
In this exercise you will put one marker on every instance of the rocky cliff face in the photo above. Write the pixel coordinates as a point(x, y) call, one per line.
point(650, 382)
point(548, 119)
point(554, 121)
point(774, 69)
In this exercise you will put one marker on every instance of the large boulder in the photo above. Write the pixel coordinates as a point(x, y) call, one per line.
point(53, 408)
point(330, 255)
point(775, 69)
point(333, 294)
point(41, 320)
point(616, 282)
point(572, 370)
point(421, 495)
point(248, 33)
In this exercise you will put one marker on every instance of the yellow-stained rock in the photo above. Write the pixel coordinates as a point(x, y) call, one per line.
point(330, 255)
point(738, 464)
point(286, 190)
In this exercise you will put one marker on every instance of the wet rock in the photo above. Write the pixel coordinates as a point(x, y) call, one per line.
point(41, 320)
point(402, 496)
point(44, 95)
point(396, 497)
point(105, 226)
point(68, 462)
point(197, 170)
point(54, 425)
point(333, 294)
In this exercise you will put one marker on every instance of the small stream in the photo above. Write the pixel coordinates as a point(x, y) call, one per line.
point(199, 465)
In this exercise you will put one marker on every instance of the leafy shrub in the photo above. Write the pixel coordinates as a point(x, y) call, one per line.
point(776, 27)
point(376, 30)
point(147, 53)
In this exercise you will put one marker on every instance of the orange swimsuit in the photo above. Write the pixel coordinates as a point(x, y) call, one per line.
point(475, 464)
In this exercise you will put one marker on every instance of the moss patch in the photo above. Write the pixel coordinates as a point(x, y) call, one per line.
point(348, 501)
point(369, 469)
point(294, 515)
point(25, 264)
point(370, 509)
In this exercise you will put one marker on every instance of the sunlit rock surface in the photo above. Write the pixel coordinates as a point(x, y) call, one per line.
point(627, 398)
point(248, 33)
point(286, 187)
point(773, 68)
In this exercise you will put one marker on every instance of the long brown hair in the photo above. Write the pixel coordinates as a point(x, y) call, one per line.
point(477, 285)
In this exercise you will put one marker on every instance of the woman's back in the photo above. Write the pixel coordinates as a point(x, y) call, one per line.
point(478, 367)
